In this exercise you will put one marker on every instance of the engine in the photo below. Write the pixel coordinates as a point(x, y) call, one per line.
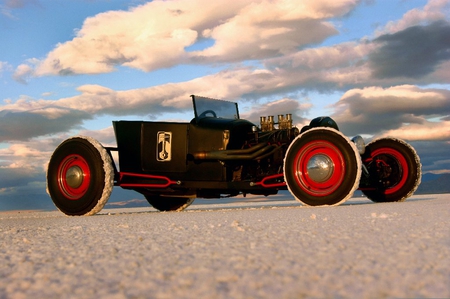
point(273, 136)
point(278, 135)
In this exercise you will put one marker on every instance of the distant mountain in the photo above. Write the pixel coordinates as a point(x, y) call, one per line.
point(434, 184)
point(123, 198)
point(120, 198)
point(430, 177)
point(26, 202)
point(131, 203)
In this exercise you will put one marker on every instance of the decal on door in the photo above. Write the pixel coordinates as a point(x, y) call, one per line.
point(164, 146)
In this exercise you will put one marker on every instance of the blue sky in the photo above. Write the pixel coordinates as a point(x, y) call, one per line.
point(379, 68)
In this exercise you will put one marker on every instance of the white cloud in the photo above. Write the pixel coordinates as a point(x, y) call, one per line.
point(27, 117)
point(341, 65)
point(7, 6)
point(142, 38)
point(379, 100)
point(96, 99)
point(281, 106)
point(53, 116)
point(22, 73)
point(105, 136)
point(3, 66)
point(338, 67)
point(29, 156)
point(398, 109)
point(266, 29)
point(19, 3)
point(434, 10)
point(427, 130)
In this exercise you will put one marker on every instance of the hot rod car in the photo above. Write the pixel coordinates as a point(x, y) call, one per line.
point(218, 154)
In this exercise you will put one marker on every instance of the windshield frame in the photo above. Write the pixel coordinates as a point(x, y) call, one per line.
point(222, 109)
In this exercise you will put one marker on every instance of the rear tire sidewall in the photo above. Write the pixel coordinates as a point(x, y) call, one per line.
point(344, 152)
point(404, 154)
point(169, 204)
point(99, 179)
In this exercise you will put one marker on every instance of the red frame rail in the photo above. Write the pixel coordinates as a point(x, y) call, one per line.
point(269, 185)
point(167, 181)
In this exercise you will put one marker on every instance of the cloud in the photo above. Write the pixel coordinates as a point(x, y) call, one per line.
point(400, 110)
point(22, 169)
point(426, 130)
point(277, 107)
point(267, 29)
point(343, 66)
point(413, 52)
point(33, 155)
point(27, 118)
point(433, 11)
point(17, 177)
point(22, 162)
point(142, 38)
point(19, 3)
point(433, 155)
point(139, 38)
point(325, 68)
point(109, 39)
point(418, 55)
point(105, 136)
point(4, 66)
point(9, 5)
point(23, 125)
point(171, 97)
point(22, 73)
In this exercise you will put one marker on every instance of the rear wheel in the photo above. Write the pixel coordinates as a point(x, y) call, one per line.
point(394, 170)
point(80, 176)
point(322, 167)
point(166, 204)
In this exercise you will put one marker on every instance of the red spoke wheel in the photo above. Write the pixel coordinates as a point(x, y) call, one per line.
point(394, 170)
point(322, 167)
point(166, 204)
point(80, 176)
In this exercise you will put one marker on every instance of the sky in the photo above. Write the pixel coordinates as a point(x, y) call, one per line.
point(378, 67)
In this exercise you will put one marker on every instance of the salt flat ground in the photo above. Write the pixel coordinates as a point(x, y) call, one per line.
point(255, 249)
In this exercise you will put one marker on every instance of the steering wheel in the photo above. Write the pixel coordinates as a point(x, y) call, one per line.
point(203, 114)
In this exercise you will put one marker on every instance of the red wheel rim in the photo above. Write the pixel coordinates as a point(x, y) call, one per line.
point(332, 180)
point(401, 163)
point(74, 177)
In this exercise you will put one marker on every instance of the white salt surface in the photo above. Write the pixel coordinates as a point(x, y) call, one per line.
point(271, 249)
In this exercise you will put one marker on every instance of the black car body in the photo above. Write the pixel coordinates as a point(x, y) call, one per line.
point(218, 154)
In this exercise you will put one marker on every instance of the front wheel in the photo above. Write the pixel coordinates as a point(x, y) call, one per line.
point(322, 167)
point(166, 204)
point(394, 170)
point(80, 176)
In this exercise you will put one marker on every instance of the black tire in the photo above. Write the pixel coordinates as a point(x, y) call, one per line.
point(317, 186)
point(166, 204)
point(394, 168)
point(80, 176)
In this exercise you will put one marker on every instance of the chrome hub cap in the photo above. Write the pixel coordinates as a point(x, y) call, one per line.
point(74, 177)
point(320, 168)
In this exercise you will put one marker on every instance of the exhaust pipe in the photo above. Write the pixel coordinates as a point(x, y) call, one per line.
point(251, 153)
